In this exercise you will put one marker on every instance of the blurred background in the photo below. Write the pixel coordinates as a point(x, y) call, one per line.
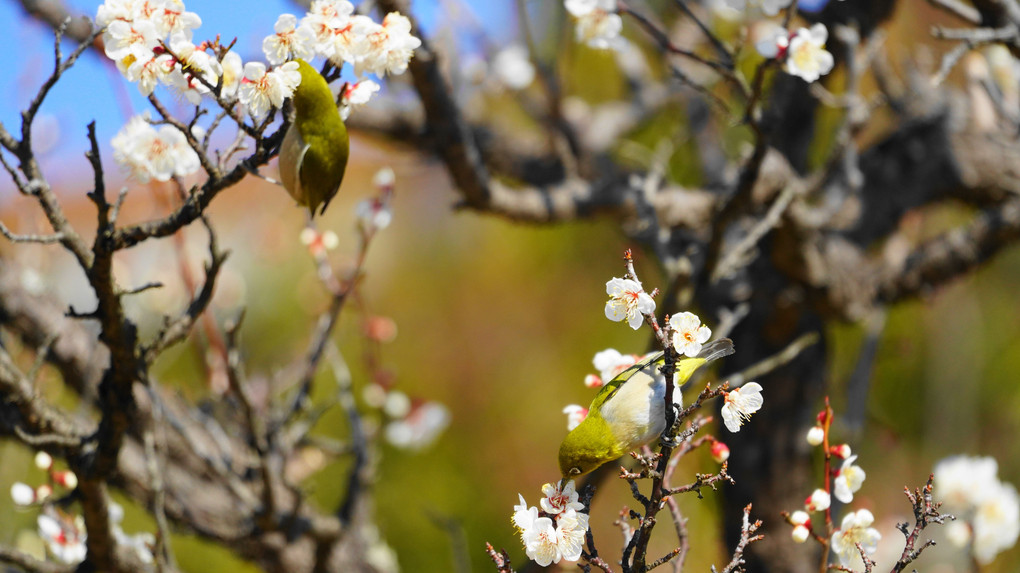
point(497, 321)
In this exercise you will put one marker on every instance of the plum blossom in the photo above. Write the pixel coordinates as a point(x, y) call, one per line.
point(720, 452)
point(688, 333)
point(769, 7)
point(988, 508)
point(196, 69)
point(575, 415)
point(319, 243)
point(389, 47)
point(598, 24)
point(64, 535)
point(151, 154)
point(848, 480)
point(559, 500)
point(325, 19)
point(420, 427)
point(22, 493)
point(610, 363)
point(740, 404)
point(996, 522)
point(124, 42)
point(513, 68)
point(855, 528)
point(806, 56)
point(355, 94)
point(262, 90)
point(289, 41)
point(818, 501)
point(627, 300)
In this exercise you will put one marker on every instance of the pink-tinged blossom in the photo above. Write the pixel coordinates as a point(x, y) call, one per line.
point(855, 528)
point(575, 415)
point(688, 333)
point(628, 301)
point(356, 94)
point(324, 19)
point(558, 500)
point(319, 243)
point(841, 451)
point(720, 452)
point(64, 536)
point(819, 500)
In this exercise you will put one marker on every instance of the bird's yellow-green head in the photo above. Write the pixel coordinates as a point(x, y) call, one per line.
point(313, 155)
point(587, 447)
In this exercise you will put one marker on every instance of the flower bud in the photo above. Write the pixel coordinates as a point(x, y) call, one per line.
point(22, 493)
point(66, 479)
point(593, 381)
point(43, 461)
point(819, 500)
point(841, 451)
point(816, 435)
point(43, 492)
point(800, 534)
point(720, 452)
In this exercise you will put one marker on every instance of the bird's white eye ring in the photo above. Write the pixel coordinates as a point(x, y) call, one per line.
point(575, 471)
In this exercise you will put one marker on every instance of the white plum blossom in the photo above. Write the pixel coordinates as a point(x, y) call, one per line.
point(355, 94)
point(628, 301)
point(419, 428)
point(688, 333)
point(855, 528)
point(142, 543)
point(289, 41)
point(988, 508)
point(575, 415)
point(373, 214)
point(64, 536)
point(319, 243)
point(388, 47)
point(610, 363)
point(170, 18)
point(806, 56)
point(325, 18)
point(541, 542)
point(598, 25)
point(124, 42)
point(196, 69)
point(263, 90)
point(740, 404)
point(151, 154)
point(150, 72)
point(558, 500)
point(513, 68)
point(848, 480)
point(571, 527)
point(233, 72)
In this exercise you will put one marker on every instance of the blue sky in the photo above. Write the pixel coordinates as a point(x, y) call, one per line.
point(93, 90)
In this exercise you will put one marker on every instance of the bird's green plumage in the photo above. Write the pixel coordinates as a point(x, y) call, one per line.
point(313, 156)
point(628, 412)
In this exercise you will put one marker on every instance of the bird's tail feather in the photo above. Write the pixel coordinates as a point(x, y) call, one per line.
point(716, 349)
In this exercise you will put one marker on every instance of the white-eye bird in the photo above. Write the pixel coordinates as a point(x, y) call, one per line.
point(629, 411)
point(314, 152)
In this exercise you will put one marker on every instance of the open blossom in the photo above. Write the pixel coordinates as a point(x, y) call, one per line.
point(769, 7)
point(389, 47)
point(740, 404)
point(848, 480)
point(196, 69)
point(131, 41)
point(598, 24)
point(513, 68)
point(552, 536)
point(289, 41)
point(575, 415)
point(233, 71)
point(151, 154)
point(64, 536)
point(148, 72)
point(688, 333)
point(970, 488)
point(355, 94)
point(855, 528)
point(262, 90)
point(806, 56)
point(325, 18)
point(170, 18)
point(558, 500)
point(610, 363)
point(627, 300)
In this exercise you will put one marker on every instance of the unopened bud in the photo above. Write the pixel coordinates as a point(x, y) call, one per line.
point(22, 493)
point(593, 381)
point(720, 452)
point(816, 435)
point(43, 492)
point(819, 500)
point(43, 461)
point(800, 534)
point(66, 479)
point(841, 451)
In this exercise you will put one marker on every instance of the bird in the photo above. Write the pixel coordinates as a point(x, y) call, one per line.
point(629, 411)
point(313, 155)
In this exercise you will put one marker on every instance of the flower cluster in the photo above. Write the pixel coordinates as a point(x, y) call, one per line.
point(610, 363)
point(411, 424)
point(989, 509)
point(26, 495)
point(598, 24)
point(344, 37)
point(557, 531)
point(147, 153)
point(802, 53)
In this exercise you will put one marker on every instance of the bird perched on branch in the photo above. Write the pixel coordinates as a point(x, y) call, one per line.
point(314, 152)
point(629, 411)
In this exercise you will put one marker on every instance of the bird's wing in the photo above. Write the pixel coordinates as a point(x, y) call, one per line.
point(292, 156)
point(607, 391)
